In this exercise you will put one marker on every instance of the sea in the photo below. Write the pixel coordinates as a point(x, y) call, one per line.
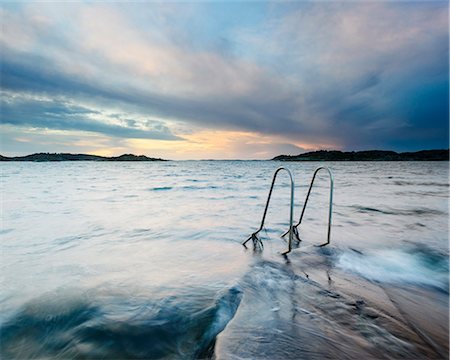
point(144, 260)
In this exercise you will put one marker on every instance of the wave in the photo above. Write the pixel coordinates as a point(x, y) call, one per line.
point(415, 265)
point(186, 187)
point(402, 183)
point(402, 212)
point(112, 326)
point(161, 188)
point(192, 187)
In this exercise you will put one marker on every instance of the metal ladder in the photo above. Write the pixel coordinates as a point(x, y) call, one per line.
point(293, 231)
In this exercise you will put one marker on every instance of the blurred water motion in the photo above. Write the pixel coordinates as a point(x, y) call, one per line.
point(143, 260)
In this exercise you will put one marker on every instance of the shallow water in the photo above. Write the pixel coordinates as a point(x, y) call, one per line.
point(143, 260)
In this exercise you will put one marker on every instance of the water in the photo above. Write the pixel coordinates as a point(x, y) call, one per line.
point(143, 260)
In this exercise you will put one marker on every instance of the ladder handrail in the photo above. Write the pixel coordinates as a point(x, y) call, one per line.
point(330, 211)
point(291, 212)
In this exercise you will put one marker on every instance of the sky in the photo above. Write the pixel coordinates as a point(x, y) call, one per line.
point(223, 80)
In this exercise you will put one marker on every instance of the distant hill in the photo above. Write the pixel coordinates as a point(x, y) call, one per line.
point(371, 155)
point(77, 157)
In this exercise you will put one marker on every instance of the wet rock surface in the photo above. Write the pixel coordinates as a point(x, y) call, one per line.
point(327, 314)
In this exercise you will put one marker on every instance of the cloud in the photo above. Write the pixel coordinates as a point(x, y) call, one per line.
point(348, 74)
point(362, 64)
point(58, 113)
point(226, 112)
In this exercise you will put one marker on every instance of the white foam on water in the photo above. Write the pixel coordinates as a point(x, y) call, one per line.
point(398, 266)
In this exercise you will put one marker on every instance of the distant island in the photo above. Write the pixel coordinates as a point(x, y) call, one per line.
point(77, 157)
point(371, 155)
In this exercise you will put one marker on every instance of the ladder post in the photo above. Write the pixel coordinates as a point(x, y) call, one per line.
point(291, 212)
